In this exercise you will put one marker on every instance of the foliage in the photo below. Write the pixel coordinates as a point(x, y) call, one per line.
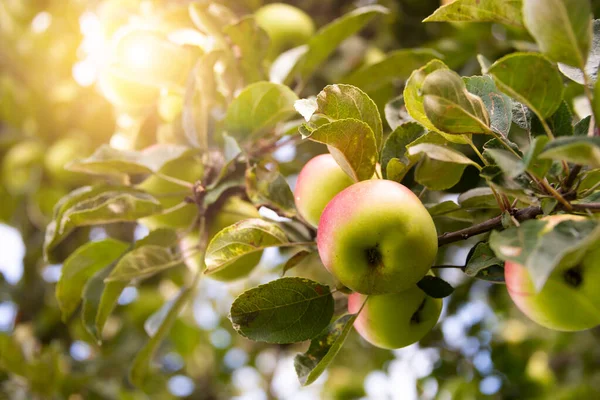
point(489, 142)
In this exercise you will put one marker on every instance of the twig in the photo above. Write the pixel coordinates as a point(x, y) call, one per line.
point(568, 183)
point(496, 222)
point(447, 266)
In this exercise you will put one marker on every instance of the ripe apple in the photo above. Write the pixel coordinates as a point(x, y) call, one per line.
point(232, 211)
point(170, 194)
point(377, 237)
point(318, 182)
point(286, 25)
point(569, 300)
point(62, 152)
point(395, 320)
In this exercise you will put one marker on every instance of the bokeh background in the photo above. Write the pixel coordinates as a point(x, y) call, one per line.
point(54, 108)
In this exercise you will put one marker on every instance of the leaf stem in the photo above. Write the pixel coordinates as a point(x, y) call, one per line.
point(176, 181)
point(544, 182)
point(476, 150)
point(546, 128)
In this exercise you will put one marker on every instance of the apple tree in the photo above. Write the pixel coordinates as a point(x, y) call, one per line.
point(318, 164)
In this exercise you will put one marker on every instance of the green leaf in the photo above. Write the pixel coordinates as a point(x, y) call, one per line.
point(164, 237)
point(482, 263)
point(450, 107)
point(323, 43)
point(141, 363)
point(284, 64)
point(143, 262)
point(396, 66)
point(109, 161)
point(97, 205)
point(562, 28)
point(435, 287)
point(478, 198)
point(592, 64)
point(253, 44)
point(582, 127)
point(80, 266)
point(200, 95)
point(258, 108)
point(99, 300)
point(287, 310)
point(560, 123)
point(438, 175)
point(323, 349)
point(11, 356)
point(395, 112)
point(413, 99)
point(532, 163)
point(531, 79)
point(352, 144)
point(507, 161)
point(211, 18)
point(441, 153)
point(294, 260)
point(338, 102)
point(502, 11)
point(269, 187)
point(242, 238)
point(541, 252)
point(575, 149)
point(395, 148)
point(498, 105)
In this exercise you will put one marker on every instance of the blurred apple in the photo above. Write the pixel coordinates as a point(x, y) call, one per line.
point(286, 25)
point(395, 320)
point(22, 166)
point(62, 152)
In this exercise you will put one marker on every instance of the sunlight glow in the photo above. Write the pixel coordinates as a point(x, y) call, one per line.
point(41, 22)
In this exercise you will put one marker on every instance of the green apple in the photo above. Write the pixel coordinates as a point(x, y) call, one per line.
point(22, 166)
point(376, 237)
point(394, 320)
point(62, 152)
point(286, 25)
point(569, 300)
point(232, 211)
point(171, 194)
point(318, 182)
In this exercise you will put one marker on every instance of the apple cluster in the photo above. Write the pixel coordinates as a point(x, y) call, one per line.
point(569, 300)
point(378, 240)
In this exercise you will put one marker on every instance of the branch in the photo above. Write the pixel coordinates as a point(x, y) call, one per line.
point(496, 222)
point(486, 226)
point(568, 183)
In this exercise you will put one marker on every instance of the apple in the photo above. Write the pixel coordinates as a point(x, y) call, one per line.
point(377, 237)
point(286, 25)
point(61, 153)
point(22, 166)
point(394, 320)
point(170, 194)
point(232, 211)
point(569, 300)
point(318, 182)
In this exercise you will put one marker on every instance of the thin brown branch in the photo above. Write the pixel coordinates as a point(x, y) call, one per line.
point(486, 226)
point(568, 183)
point(496, 222)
